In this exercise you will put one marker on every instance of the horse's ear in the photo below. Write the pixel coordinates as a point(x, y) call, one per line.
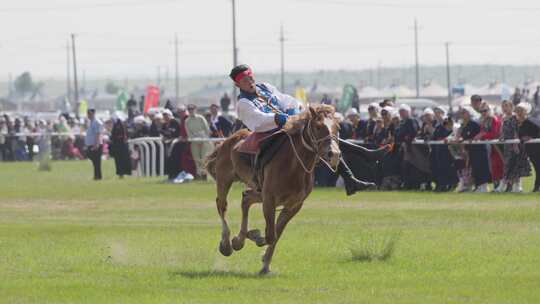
point(312, 112)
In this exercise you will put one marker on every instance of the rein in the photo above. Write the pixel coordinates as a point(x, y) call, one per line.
point(314, 147)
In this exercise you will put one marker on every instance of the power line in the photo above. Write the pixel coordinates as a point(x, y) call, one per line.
point(398, 5)
point(77, 7)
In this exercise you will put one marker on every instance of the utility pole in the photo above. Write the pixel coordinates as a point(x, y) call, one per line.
point(176, 80)
point(68, 74)
point(379, 77)
point(282, 42)
point(417, 68)
point(158, 68)
point(235, 49)
point(10, 85)
point(448, 80)
point(83, 87)
point(76, 83)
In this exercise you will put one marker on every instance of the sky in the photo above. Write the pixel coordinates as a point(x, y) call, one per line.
point(135, 38)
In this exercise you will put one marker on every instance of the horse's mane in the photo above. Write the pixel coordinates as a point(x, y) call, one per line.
point(297, 122)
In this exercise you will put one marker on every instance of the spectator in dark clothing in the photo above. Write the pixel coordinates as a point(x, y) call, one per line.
point(345, 129)
point(171, 132)
point(478, 157)
point(390, 167)
point(131, 106)
point(119, 148)
point(476, 102)
point(225, 102)
point(443, 166)
point(29, 127)
point(529, 130)
point(415, 171)
point(326, 100)
point(536, 99)
point(517, 96)
point(141, 104)
point(169, 105)
point(373, 111)
point(220, 126)
point(140, 129)
point(359, 127)
point(155, 127)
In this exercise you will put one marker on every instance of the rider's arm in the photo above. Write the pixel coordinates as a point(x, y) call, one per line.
point(286, 101)
point(255, 119)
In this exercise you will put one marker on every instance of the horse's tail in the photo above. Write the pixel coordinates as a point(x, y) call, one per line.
point(211, 160)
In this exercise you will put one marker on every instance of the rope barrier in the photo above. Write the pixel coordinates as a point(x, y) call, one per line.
point(220, 139)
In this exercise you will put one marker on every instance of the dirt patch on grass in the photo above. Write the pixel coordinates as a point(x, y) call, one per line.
point(118, 253)
point(52, 205)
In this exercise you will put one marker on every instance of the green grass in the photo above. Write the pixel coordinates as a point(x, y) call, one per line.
point(67, 239)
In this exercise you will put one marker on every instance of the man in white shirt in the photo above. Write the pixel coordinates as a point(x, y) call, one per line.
point(94, 142)
point(263, 108)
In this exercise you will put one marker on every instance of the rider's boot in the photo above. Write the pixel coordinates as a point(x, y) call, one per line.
point(352, 184)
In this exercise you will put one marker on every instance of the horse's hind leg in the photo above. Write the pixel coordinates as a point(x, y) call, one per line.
point(284, 217)
point(221, 203)
point(249, 197)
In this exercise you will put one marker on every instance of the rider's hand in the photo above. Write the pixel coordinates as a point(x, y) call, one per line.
point(280, 119)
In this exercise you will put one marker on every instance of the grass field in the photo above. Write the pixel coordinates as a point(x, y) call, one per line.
point(67, 239)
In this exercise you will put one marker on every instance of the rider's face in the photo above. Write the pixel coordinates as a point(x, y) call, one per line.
point(247, 84)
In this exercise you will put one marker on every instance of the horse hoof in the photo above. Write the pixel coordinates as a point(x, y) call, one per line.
point(265, 271)
point(237, 244)
point(260, 241)
point(254, 234)
point(225, 248)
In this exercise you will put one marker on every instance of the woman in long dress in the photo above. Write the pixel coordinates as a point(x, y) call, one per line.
point(119, 148)
point(529, 130)
point(516, 164)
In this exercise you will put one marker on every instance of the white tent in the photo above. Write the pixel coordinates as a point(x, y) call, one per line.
point(398, 91)
point(496, 88)
point(368, 92)
point(433, 90)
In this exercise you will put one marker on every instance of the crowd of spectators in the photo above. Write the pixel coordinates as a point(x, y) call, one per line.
point(20, 137)
point(456, 166)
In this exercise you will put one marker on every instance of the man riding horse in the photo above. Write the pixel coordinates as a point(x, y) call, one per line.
point(264, 109)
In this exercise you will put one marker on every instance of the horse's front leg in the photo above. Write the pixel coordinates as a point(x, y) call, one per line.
point(249, 197)
point(221, 204)
point(284, 217)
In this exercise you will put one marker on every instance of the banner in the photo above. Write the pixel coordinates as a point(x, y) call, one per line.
point(346, 100)
point(301, 95)
point(83, 108)
point(152, 98)
point(121, 101)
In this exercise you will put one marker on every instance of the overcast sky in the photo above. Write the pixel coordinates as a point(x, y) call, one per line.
point(119, 38)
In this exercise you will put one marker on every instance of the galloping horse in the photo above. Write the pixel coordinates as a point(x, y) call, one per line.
point(287, 181)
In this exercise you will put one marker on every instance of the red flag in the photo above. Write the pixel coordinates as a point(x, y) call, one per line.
point(152, 98)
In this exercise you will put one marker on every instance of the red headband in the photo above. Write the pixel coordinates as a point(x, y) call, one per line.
point(241, 76)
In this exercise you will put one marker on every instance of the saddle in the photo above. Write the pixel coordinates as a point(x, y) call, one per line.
point(260, 149)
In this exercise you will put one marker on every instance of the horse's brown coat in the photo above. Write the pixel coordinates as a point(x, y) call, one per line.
point(286, 182)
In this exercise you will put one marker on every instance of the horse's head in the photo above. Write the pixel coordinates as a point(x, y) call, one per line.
point(322, 129)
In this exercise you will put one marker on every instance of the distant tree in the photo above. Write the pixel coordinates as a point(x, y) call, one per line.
point(111, 88)
point(24, 84)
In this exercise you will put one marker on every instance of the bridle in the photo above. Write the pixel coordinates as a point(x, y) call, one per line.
point(314, 146)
